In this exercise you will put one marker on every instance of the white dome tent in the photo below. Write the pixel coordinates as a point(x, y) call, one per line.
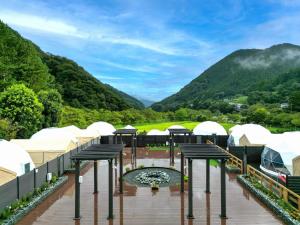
point(173, 127)
point(54, 133)
point(233, 128)
point(249, 135)
point(129, 127)
point(156, 132)
point(280, 156)
point(83, 135)
point(14, 161)
point(209, 128)
point(44, 150)
point(103, 128)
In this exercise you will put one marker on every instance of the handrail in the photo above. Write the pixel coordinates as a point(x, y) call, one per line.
point(233, 160)
point(272, 185)
point(282, 192)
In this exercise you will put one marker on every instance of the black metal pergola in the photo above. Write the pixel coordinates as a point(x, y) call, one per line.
point(204, 152)
point(133, 133)
point(94, 153)
point(172, 133)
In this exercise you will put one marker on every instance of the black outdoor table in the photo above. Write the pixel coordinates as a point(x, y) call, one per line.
point(207, 152)
point(133, 133)
point(94, 153)
point(173, 132)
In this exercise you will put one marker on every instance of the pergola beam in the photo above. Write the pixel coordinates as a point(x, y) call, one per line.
point(103, 152)
point(207, 152)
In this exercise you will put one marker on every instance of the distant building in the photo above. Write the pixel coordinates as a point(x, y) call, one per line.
point(284, 105)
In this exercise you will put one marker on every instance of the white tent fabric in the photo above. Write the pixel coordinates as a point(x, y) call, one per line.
point(233, 128)
point(287, 145)
point(157, 132)
point(81, 132)
point(255, 133)
point(103, 128)
point(54, 133)
point(14, 158)
point(129, 127)
point(209, 128)
point(40, 145)
point(166, 132)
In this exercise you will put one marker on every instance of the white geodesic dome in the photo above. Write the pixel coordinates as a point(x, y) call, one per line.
point(166, 132)
point(103, 128)
point(233, 128)
point(255, 134)
point(129, 127)
point(278, 154)
point(81, 132)
point(209, 128)
point(14, 158)
point(55, 133)
point(156, 132)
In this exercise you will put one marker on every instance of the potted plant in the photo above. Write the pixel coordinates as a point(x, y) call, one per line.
point(154, 186)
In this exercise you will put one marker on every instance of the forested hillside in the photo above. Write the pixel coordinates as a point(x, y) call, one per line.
point(252, 73)
point(34, 87)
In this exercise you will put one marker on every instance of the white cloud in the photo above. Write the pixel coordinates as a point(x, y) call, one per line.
point(43, 24)
point(104, 77)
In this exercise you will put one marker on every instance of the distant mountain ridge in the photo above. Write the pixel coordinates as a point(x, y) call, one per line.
point(239, 73)
point(22, 61)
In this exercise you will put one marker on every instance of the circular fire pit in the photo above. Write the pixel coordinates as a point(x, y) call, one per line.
point(144, 177)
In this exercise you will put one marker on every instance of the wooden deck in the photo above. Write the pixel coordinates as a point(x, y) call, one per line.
point(139, 206)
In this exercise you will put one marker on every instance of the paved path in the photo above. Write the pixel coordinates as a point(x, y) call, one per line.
point(138, 206)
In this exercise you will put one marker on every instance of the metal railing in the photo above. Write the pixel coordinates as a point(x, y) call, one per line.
point(281, 191)
point(233, 161)
point(23, 185)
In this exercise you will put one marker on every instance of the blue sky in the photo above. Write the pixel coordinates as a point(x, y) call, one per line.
point(152, 48)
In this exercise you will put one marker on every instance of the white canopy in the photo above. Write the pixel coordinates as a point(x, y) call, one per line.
point(256, 134)
point(103, 128)
point(209, 128)
point(14, 158)
point(55, 133)
point(157, 132)
point(129, 127)
point(166, 132)
point(287, 145)
point(40, 145)
point(81, 132)
point(233, 128)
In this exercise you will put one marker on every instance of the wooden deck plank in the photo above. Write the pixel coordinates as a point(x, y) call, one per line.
point(140, 206)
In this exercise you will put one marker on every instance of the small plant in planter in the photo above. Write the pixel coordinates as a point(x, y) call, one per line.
point(173, 167)
point(127, 169)
point(154, 186)
point(141, 166)
point(186, 178)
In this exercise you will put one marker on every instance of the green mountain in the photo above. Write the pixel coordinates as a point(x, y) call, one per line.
point(80, 89)
point(22, 61)
point(133, 102)
point(146, 102)
point(241, 73)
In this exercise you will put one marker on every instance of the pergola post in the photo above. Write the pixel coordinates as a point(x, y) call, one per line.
point(95, 177)
point(207, 176)
point(190, 199)
point(110, 190)
point(77, 190)
point(170, 145)
point(173, 149)
point(182, 172)
point(135, 147)
point(223, 190)
point(245, 159)
point(121, 172)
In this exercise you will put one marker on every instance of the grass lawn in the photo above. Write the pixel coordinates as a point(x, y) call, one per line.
point(164, 125)
point(190, 125)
